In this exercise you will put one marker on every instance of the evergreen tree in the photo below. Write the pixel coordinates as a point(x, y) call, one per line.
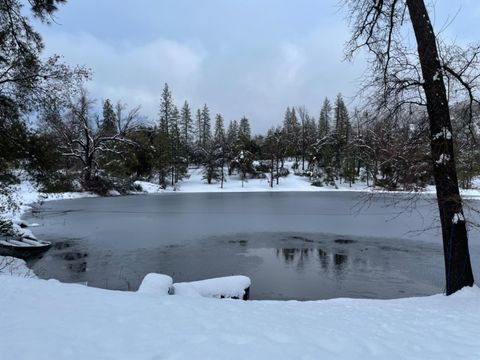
point(244, 163)
point(342, 122)
point(206, 127)
point(212, 163)
point(324, 119)
point(166, 108)
point(163, 141)
point(244, 129)
point(310, 135)
point(231, 143)
point(178, 164)
point(232, 132)
point(219, 131)
point(291, 128)
point(342, 131)
point(275, 150)
point(219, 142)
point(199, 127)
point(187, 130)
point(109, 120)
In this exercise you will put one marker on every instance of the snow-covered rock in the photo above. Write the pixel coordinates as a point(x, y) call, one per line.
point(156, 284)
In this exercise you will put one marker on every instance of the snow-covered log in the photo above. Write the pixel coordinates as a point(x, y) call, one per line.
point(234, 287)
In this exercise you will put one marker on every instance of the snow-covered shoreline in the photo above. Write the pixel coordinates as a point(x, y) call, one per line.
point(66, 321)
point(25, 195)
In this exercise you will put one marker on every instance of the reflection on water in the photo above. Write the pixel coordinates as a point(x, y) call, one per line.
point(281, 265)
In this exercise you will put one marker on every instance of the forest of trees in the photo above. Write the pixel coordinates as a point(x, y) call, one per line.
point(73, 146)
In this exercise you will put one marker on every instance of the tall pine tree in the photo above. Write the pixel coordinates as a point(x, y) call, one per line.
point(187, 130)
point(109, 121)
point(206, 126)
point(163, 143)
point(324, 119)
point(342, 136)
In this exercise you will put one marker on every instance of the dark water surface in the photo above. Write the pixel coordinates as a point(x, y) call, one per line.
point(292, 245)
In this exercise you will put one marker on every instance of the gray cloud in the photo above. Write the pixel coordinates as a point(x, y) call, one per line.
point(240, 57)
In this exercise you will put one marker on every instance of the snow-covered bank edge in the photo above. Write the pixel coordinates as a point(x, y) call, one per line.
point(77, 322)
point(25, 196)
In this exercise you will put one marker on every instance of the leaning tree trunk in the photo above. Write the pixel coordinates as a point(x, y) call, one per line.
point(458, 269)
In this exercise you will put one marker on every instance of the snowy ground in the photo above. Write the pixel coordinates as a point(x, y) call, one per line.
point(194, 183)
point(49, 320)
point(46, 319)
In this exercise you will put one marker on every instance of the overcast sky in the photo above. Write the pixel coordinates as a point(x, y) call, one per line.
point(241, 57)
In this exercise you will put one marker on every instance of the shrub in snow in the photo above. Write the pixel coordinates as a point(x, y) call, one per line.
point(261, 166)
point(282, 172)
point(14, 267)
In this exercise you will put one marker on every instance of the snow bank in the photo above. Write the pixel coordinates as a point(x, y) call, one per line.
point(49, 320)
point(26, 193)
point(156, 284)
point(224, 287)
point(14, 267)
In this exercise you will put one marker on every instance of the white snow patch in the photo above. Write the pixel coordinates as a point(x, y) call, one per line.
point(443, 159)
point(437, 75)
point(445, 134)
point(457, 218)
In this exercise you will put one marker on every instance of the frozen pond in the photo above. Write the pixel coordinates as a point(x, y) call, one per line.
point(292, 245)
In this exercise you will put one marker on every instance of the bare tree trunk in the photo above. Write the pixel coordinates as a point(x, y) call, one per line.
point(223, 172)
point(172, 163)
point(455, 240)
point(271, 173)
point(277, 172)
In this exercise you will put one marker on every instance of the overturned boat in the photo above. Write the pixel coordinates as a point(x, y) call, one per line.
point(23, 248)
